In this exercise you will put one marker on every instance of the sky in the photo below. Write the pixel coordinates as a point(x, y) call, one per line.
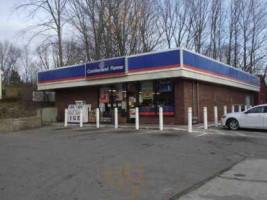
point(11, 24)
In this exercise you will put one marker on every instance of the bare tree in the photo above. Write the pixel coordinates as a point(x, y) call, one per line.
point(216, 29)
point(234, 31)
point(167, 10)
point(199, 12)
point(183, 28)
point(81, 23)
point(44, 57)
point(51, 19)
point(73, 53)
point(149, 29)
point(9, 58)
point(26, 61)
point(258, 35)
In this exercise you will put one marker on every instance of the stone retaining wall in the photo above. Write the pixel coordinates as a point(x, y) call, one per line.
point(10, 125)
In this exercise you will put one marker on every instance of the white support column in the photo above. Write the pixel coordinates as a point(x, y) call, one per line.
point(160, 118)
point(224, 110)
point(215, 116)
point(137, 118)
point(233, 108)
point(81, 118)
point(116, 117)
point(66, 118)
point(246, 107)
point(97, 117)
point(189, 119)
point(205, 118)
point(239, 108)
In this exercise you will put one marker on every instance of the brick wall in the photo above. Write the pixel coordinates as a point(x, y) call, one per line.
point(188, 93)
point(209, 95)
point(64, 97)
point(261, 98)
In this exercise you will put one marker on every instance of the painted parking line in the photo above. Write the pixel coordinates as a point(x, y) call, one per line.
point(202, 134)
point(220, 132)
point(239, 133)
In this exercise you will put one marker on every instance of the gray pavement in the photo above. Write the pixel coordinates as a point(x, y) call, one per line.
point(99, 164)
point(245, 181)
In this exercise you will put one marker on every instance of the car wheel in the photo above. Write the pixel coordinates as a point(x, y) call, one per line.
point(233, 124)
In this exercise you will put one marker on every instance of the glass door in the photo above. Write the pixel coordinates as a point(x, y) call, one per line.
point(133, 101)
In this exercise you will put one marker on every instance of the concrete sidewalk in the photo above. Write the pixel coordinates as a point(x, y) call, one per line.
point(245, 181)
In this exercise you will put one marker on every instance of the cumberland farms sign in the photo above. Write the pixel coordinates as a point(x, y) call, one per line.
point(106, 68)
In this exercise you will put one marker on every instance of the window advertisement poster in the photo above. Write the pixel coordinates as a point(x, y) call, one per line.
point(104, 95)
point(147, 90)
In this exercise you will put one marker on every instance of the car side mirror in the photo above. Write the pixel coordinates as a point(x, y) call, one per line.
point(246, 112)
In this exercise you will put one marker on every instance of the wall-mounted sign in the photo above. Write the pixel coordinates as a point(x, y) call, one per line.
point(106, 68)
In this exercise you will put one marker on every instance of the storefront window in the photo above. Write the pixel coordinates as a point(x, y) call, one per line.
point(111, 97)
point(119, 98)
point(132, 91)
point(165, 96)
point(153, 94)
point(105, 104)
point(146, 99)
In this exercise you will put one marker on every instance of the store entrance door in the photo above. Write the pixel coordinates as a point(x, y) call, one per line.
point(132, 101)
point(111, 97)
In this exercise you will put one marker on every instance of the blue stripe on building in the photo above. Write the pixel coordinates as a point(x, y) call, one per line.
point(155, 60)
point(146, 62)
point(67, 73)
point(203, 63)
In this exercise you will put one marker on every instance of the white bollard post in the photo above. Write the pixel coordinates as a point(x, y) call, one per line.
point(225, 110)
point(189, 119)
point(215, 116)
point(137, 118)
point(66, 118)
point(160, 118)
point(116, 117)
point(205, 118)
point(97, 117)
point(239, 108)
point(233, 108)
point(246, 107)
point(81, 119)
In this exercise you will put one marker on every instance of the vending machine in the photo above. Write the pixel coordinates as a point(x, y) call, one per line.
point(74, 112)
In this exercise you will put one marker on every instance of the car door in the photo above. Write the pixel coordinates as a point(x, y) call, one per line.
point(253, 118)
point(265, 118)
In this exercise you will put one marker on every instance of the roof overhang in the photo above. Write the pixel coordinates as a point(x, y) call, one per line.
point(176, 63)
point(160, 74)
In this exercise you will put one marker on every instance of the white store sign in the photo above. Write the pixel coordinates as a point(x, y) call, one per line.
point(74, 111)
point(132, 113)
point(74, 116)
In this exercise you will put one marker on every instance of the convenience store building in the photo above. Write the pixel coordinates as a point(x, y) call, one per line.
point(174, 79)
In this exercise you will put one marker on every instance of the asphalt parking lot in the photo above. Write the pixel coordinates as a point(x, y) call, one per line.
point(124, 164)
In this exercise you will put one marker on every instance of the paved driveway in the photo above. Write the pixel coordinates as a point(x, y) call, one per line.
point(106, 164)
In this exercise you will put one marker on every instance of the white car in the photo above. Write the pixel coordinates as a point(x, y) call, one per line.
point(255, 118)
